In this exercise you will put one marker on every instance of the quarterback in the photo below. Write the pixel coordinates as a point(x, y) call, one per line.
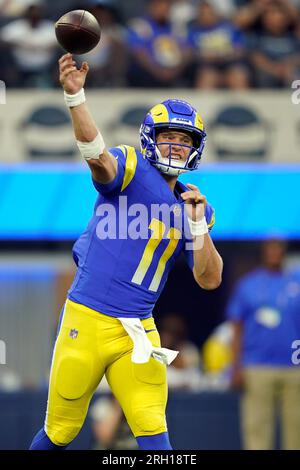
point(106, 326)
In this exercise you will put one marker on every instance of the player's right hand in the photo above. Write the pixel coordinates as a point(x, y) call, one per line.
point(71, 78)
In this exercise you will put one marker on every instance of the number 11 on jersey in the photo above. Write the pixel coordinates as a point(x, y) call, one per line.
point(158, 229)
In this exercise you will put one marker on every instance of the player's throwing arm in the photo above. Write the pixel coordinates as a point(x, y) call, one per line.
point(89, 139)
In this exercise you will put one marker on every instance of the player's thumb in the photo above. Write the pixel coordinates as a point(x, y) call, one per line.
point(84, 68)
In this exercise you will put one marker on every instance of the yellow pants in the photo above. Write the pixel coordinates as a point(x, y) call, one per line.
point(88, 346)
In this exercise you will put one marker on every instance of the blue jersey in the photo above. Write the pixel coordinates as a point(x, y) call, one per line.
point(126, 252)
point(161, 43)
point(221, 39)
point(268, 305)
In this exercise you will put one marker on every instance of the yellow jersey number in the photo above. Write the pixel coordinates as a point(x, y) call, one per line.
point(158, 229)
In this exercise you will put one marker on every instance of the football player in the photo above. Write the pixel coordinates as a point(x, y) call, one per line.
point(106, 326)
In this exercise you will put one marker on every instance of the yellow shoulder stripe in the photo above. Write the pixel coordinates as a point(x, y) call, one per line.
point(130, 166)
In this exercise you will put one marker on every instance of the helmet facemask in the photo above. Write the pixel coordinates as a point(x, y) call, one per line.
point(173, 166)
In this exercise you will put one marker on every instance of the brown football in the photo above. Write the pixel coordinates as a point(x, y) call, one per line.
point(78, 31)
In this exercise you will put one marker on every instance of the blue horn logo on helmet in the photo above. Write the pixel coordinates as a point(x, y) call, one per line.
point(172, 115)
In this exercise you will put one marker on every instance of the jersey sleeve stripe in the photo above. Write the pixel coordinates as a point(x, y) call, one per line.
point(130, 166)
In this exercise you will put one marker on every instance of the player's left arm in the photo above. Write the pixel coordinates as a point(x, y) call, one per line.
point(208, 264)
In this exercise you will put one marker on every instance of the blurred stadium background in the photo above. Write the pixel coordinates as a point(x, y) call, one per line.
point(234, 60)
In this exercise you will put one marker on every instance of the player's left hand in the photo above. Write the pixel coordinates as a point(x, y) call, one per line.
point(195, 203)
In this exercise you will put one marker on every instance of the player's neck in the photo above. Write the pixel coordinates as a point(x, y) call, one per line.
point(171, 180)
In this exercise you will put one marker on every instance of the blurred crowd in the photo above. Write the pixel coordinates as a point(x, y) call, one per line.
point(203, 44)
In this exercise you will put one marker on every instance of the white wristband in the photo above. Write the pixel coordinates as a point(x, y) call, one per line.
point(74, 100)
point(198, 228)
point(92, 150)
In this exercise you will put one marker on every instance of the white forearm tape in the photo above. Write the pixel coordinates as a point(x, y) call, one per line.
point(198, 228)
point(74, 100)
point(92, 150)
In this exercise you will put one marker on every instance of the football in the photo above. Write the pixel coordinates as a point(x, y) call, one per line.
point(77, 31)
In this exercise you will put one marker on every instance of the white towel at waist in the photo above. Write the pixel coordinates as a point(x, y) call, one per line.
point(142, 346)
